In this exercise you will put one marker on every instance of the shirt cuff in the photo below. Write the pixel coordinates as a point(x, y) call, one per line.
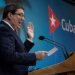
point(30, 40)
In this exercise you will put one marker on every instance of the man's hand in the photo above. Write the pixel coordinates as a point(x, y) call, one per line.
point(30, 31)
point(40, 54)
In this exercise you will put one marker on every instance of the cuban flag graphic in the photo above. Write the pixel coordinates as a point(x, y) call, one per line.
point(53, 20)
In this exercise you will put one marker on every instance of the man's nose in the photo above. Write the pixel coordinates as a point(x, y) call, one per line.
point(23, 18)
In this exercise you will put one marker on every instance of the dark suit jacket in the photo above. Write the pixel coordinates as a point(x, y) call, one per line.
point(14, 56)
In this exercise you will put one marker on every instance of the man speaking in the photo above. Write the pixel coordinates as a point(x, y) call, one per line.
point(14, 56)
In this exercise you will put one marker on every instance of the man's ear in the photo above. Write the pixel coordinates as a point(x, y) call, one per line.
point(10, 15)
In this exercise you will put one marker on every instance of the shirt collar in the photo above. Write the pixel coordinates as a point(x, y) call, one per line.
point(8, 24)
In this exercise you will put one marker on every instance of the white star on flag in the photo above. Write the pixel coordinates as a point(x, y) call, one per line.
point(52, 21)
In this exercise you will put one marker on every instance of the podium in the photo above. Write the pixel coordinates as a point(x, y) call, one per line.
point(67, 65)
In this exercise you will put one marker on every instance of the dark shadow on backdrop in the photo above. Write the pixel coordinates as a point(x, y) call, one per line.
point(71, 2)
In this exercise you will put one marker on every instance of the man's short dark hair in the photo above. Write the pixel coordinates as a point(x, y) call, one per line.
point(11, 8)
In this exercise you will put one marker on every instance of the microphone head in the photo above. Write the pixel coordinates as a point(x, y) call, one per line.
point(41, 37)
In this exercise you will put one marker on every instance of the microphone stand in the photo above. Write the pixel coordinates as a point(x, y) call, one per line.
point(66, 55)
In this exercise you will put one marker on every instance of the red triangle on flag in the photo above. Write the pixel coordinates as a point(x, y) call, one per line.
point(53, 20)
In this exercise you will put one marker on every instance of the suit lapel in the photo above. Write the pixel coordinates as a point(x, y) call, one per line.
point(14, 34)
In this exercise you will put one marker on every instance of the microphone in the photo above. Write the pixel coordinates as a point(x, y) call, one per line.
point(66, 55)
point(41, 37)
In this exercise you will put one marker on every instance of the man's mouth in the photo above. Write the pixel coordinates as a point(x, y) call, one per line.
point(19, 24)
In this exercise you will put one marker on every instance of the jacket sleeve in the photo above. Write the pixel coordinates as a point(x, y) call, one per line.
point(28, 45)
point(9, 55)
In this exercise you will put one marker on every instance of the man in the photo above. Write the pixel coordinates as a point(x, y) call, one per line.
point(14, 56)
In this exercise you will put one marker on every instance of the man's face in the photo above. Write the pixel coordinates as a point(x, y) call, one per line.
point(17, 18)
